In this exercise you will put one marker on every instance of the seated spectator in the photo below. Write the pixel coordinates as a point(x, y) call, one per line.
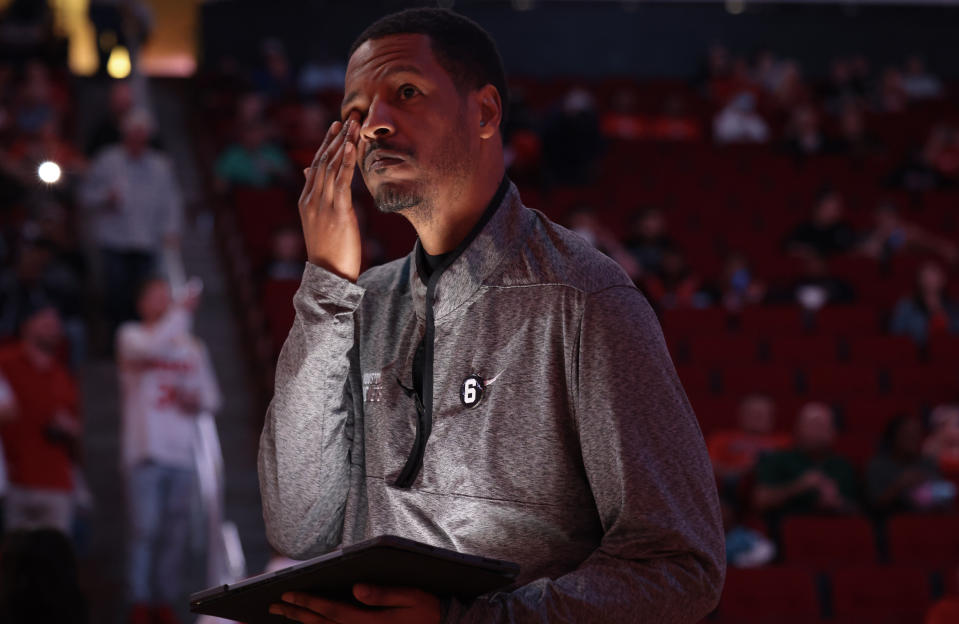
point(943, 442)
point(892, 235)
point(648, 239)
point(810, 477)
point(891, 94)
point(738, 122)
point(675, 285)
point(108, 131)
point(804, 137)
point(41, 441)
point(736, 286)
point(253, 161)
point(675, 124)
point(842, 89)
point(826, 231)
point(39, 581)
point(946, 609)
point(737, 80)
point(918, 82)
point(275, 78)
point(941, 152)
point(734, 452)
point(900, 477)
point(791, 90)
point(816, 287)
point(854, 139)
point(582, 219)
point(745, 547)
point(768, 71)
point(929, 311)
point(623, 121)
point(39, 278)
point(288, 254)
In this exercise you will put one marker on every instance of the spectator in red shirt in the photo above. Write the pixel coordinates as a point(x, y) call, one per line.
point(734, 452)
point(41, 436)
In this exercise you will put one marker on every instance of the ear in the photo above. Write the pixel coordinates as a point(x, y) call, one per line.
point(490, 111)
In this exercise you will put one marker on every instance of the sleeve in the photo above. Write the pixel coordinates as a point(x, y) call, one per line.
point(134, 345)
point(662, 556)
point(304, 456)
point(95, 187)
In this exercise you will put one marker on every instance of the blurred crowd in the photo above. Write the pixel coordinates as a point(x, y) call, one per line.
point(79, 253)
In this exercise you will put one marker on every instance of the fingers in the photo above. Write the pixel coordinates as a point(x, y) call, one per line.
point(337, 129)
point(312, 609)
point(377, 596)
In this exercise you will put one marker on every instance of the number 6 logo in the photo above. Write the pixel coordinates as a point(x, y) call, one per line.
point(471, 392)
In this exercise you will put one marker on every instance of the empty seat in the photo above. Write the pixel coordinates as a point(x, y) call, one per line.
point(930, 383)
point(696, 380)
point(681, 323)
point(837, 382)
point(883, 350)
point(770, 595)
point(828, 542)
point(771, 321)
point(854, 320)
point(868, 415)
point(880, 595)
point(803, 350)
point(929, 540)
point(769, 379)
point(722, 349)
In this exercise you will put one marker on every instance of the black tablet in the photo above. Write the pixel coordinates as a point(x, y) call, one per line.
point(385, 560)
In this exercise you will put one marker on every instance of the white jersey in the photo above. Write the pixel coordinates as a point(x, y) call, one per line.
point(158, 365)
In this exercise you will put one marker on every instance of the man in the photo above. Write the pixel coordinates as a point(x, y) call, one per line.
point(136, 209)
point(166, 382)
point(39, 426)
point(503, 390)
point(810, 477)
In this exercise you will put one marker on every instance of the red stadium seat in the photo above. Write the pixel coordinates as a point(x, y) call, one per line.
point(696, 380)
point(769, 379)
point(838, 382)
point(770, 595)
point(928, 540)
point(880, 595)
point(868, 415)
point(772, 321)
point(884, 351)
point(803, 350)
point(932, 384)
point(944, 351)
point(828, 542)
point(683, 323)
point(715, 413)
point(722, 349)
point(854, 320)
point(277, 301)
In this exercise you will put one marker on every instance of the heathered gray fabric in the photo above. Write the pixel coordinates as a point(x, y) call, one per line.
point(583, 462)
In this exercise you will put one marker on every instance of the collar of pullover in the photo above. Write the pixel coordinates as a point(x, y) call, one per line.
point(503, 225)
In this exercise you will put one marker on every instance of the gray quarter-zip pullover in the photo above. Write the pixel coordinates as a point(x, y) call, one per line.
point(551, 428)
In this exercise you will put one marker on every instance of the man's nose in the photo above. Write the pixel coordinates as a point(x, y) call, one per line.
point(378, 123)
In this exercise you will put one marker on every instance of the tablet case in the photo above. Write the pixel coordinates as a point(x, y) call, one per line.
point(385, 560)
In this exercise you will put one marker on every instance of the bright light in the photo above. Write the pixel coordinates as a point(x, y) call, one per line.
point(49, 171)
point(735, 7)
point(118, 65)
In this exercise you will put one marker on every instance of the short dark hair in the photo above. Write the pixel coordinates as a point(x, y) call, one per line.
point(462, 47)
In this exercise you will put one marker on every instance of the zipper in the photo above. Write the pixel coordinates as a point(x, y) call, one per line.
point(424, 404)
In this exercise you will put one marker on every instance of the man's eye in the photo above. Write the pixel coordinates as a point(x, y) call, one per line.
point(407, 91)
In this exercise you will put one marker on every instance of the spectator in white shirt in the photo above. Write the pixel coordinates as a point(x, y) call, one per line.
point(166, 382)
point(739, 122)
point(135, 208)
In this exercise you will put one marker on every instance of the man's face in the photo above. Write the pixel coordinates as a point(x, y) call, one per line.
point(44, 330)
point(154, 301)
point(414, 147)
point(815, 429)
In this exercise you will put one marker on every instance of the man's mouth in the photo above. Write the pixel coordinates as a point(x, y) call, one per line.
point(381, 159)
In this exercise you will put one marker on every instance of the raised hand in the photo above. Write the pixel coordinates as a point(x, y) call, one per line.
point(326, 206)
